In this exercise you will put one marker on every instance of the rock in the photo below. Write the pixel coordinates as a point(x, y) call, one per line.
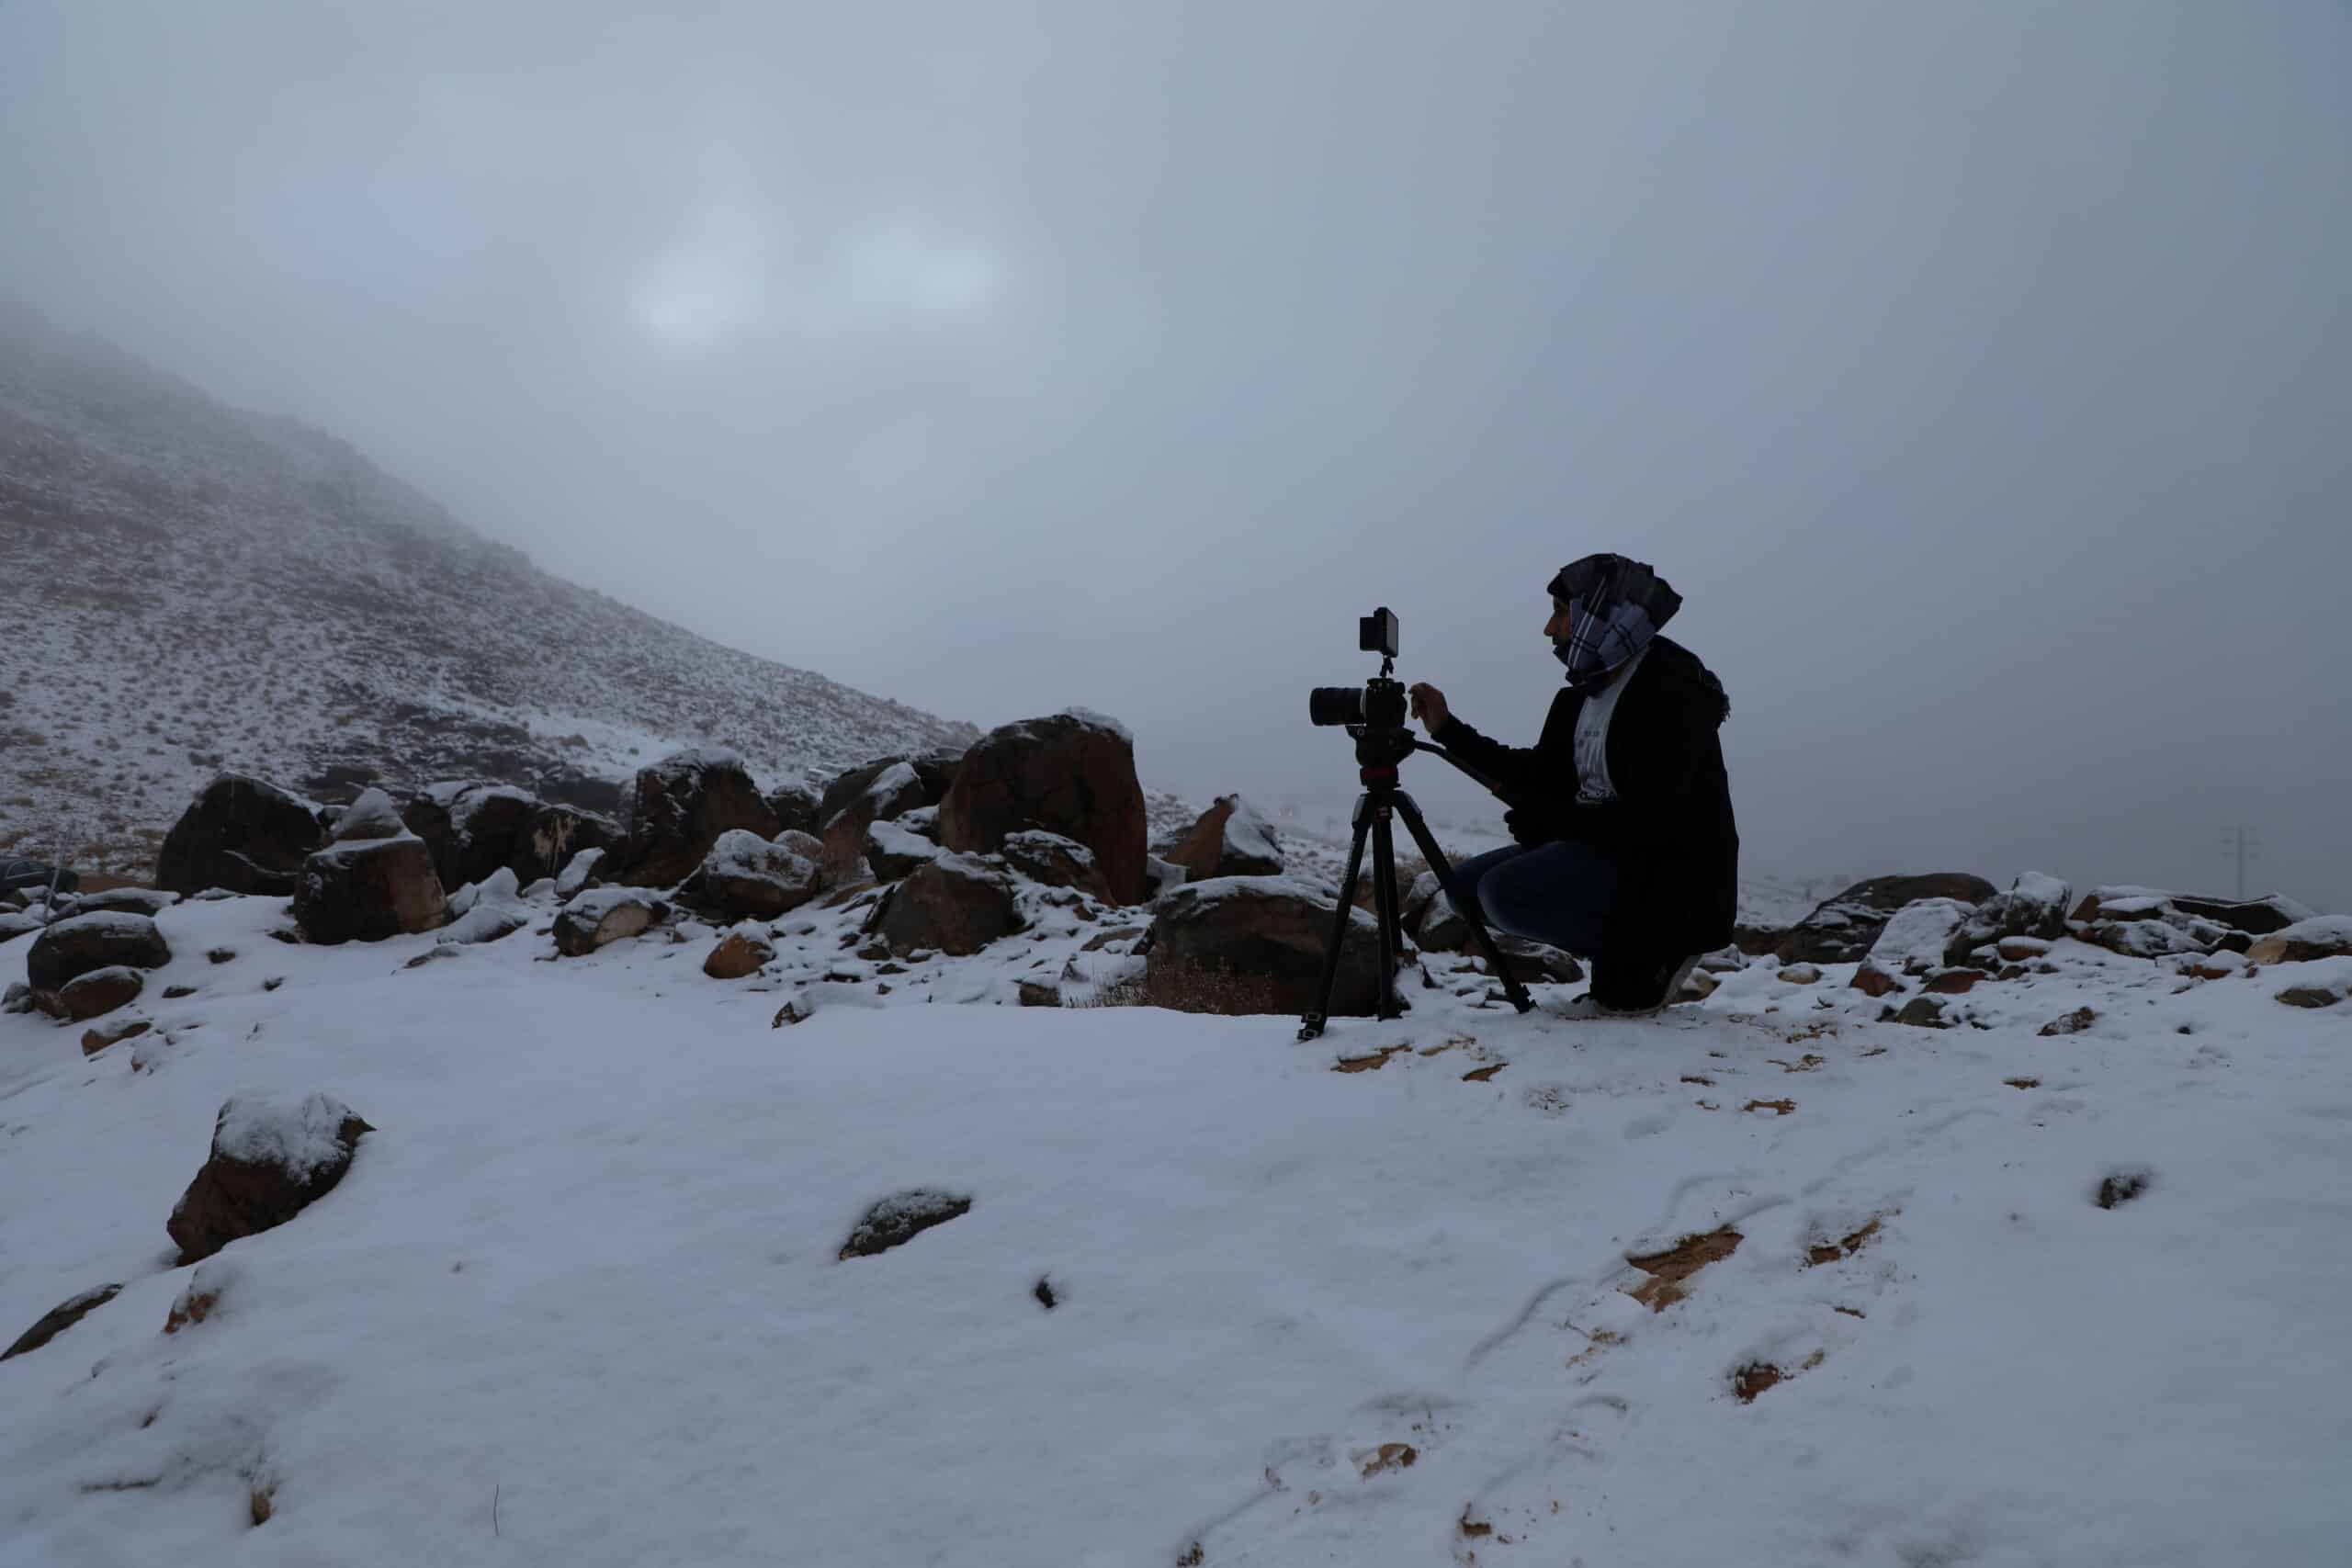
point(2311, 996)
point(922, 821)
point(1069, 773)
point(241, 834)
point(1954, 982)
point(2074, 1023)
point(1039, 994)
point(748, 878)
point(580, 872)
point(1055, 862)
point(736, 954)
point(678, 808)
point(491, 909)
point(2021, 949)
point(1924, 1013)
point(2323, 936)
point(1758, 940)
point(901, 1217)
point(955, 904)
point(1269, 929)
point(273, 1156)
point(83, 945)
point(369, 888)
point(603, 916)
point(1873, 981)
point(21, 876)
point(474, 830)
point(1914, 938)
point(1801, 975)
point(2215, 966)
point(1160, 875)
point(99, 991)
point(1102, 940)
point(372, 815)
point(60, 1318)
point(934, 772)
point(798, 808)
point(2255, 917)
point(893, 851)
point(1418, 899)
point(2033, 909)
point(898, 788)
point(2149, 922)
point(1230, 839)
point(148, 901)
point(19, 997)
point(13, 926)
point(97, 1039)
point(1842, 928)
point(1443, 928)
point(220, 955)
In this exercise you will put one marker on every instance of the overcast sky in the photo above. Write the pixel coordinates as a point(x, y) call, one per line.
point(1982, 375)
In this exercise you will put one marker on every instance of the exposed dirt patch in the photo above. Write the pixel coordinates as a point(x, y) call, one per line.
point(1472, 1528)
point(2022, 1083)
point(1481, 1074)
point(1372, 1063)
point(1670, 1270)
point(1778, 1106)
point(1702, 1079)
point(191, 1307)
point(1850, 1312)
point(1830, 1252)
point(1386, 1457)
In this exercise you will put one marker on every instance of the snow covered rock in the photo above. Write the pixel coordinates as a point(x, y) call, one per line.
point(1841, 929)
point(1160, 875)
point(60, 1318)
point(1229, 840)
point(99, 991)
point(798, 806)
point(97, 1039)
point(2148, 922)
point(371, 817)
point(86, 944)
point(14, 925)
point(893, 851)
point(1272, 929)
point(365, 889)
point(749, 878)
point(738, 954)
point(579, 872)
point(1066, 774)
point(1055, 862)
point(922, 821)
point(677, 810)
point(242, 834)
point(2034, 907)
point(487, 910)
point(2323, 936)
point(272, 1156)
point(603, 916)
point(900, 1218)
point(955, 904)
point(148, 901)
point(894, 791)
point(474, 828)
point(1910, 943)
point(1442, 928)
point(19, 997)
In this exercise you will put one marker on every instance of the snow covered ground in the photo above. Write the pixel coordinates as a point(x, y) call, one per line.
point(579, 1299)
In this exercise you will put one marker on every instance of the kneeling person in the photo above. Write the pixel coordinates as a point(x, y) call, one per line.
point(1626, 852)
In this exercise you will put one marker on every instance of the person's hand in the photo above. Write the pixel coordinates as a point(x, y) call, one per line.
point(1429, 707)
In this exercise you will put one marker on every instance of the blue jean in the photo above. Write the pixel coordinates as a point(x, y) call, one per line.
point(1559, 894)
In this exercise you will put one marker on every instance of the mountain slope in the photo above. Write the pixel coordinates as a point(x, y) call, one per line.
point(187, 585)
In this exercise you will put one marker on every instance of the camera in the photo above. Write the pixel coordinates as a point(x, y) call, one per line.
point(1380, 704)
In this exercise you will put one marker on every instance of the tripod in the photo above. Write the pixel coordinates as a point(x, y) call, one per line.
point(1378, 752)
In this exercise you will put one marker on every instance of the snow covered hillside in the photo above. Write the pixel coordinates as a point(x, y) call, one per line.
point(187, 586)
point(1765, 1281)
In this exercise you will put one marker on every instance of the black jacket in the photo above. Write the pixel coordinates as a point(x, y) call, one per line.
point(1670, 826)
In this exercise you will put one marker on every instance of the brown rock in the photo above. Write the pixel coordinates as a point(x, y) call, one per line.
point(1955, 982)
point(1064, 774)
point(272, 1156)
point(77, 946)
point(368, 890)
point(2019, 949)
point(676, 810)
point(1801, 975)
point(955, 904)
point(1873, 981)
point(241, 834)
point(99, 991)
point(1924, 1013)
point(2311, 996)
point(1227, 840)
point(97, 1039)
point(605, 915)
point(2074, 1023)
point(1268, 929)
point(1039, 994)
point(737, 955)
point(2305, 941)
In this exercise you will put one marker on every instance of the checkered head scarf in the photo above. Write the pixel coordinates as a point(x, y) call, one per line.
point(1617, 606)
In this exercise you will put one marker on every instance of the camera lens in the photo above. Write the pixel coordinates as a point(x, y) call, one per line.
point(1335, 705)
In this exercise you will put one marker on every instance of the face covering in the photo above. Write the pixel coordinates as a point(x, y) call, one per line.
point(1618, 606)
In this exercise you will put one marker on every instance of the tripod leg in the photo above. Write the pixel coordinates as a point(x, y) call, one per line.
point(1384, 902)
point(1466, 906)
point(1311, 1024)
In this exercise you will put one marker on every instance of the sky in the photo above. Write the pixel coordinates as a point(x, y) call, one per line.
point(1981, 375)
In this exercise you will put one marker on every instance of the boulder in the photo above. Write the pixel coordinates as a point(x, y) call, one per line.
point(19, 997)
point(2034, 909)
point(748, 878)
point(603, 916)
point(1071, 773)
point(1924, 1013)
point(2311, 995)
point(369, 818)
point(580, 872)
point(477, 829)
point(738, 954)
point(894, 791)
point(99, 991)
point(241, 834)
point(97, 1039)
point(933, 771)
point(83, 945)
point(1055, 862)
point(486, 910)
point(148, 901)
point(1842, 928)
point(677, 810)
point(272, 1156)
point(14, 925)
point(798, 806)
point(1911, 942)
point(1272, 929)
point(1230, 839)
point(2323, 936)
point(1801, 975)
point(60, 1318)
point(893, 851)
point(365, 888)
point(1160, 875)
point(955, 904)
point(922, 821)
point(1443, 928)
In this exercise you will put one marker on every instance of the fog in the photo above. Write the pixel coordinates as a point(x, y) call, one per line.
point(1981, 376)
